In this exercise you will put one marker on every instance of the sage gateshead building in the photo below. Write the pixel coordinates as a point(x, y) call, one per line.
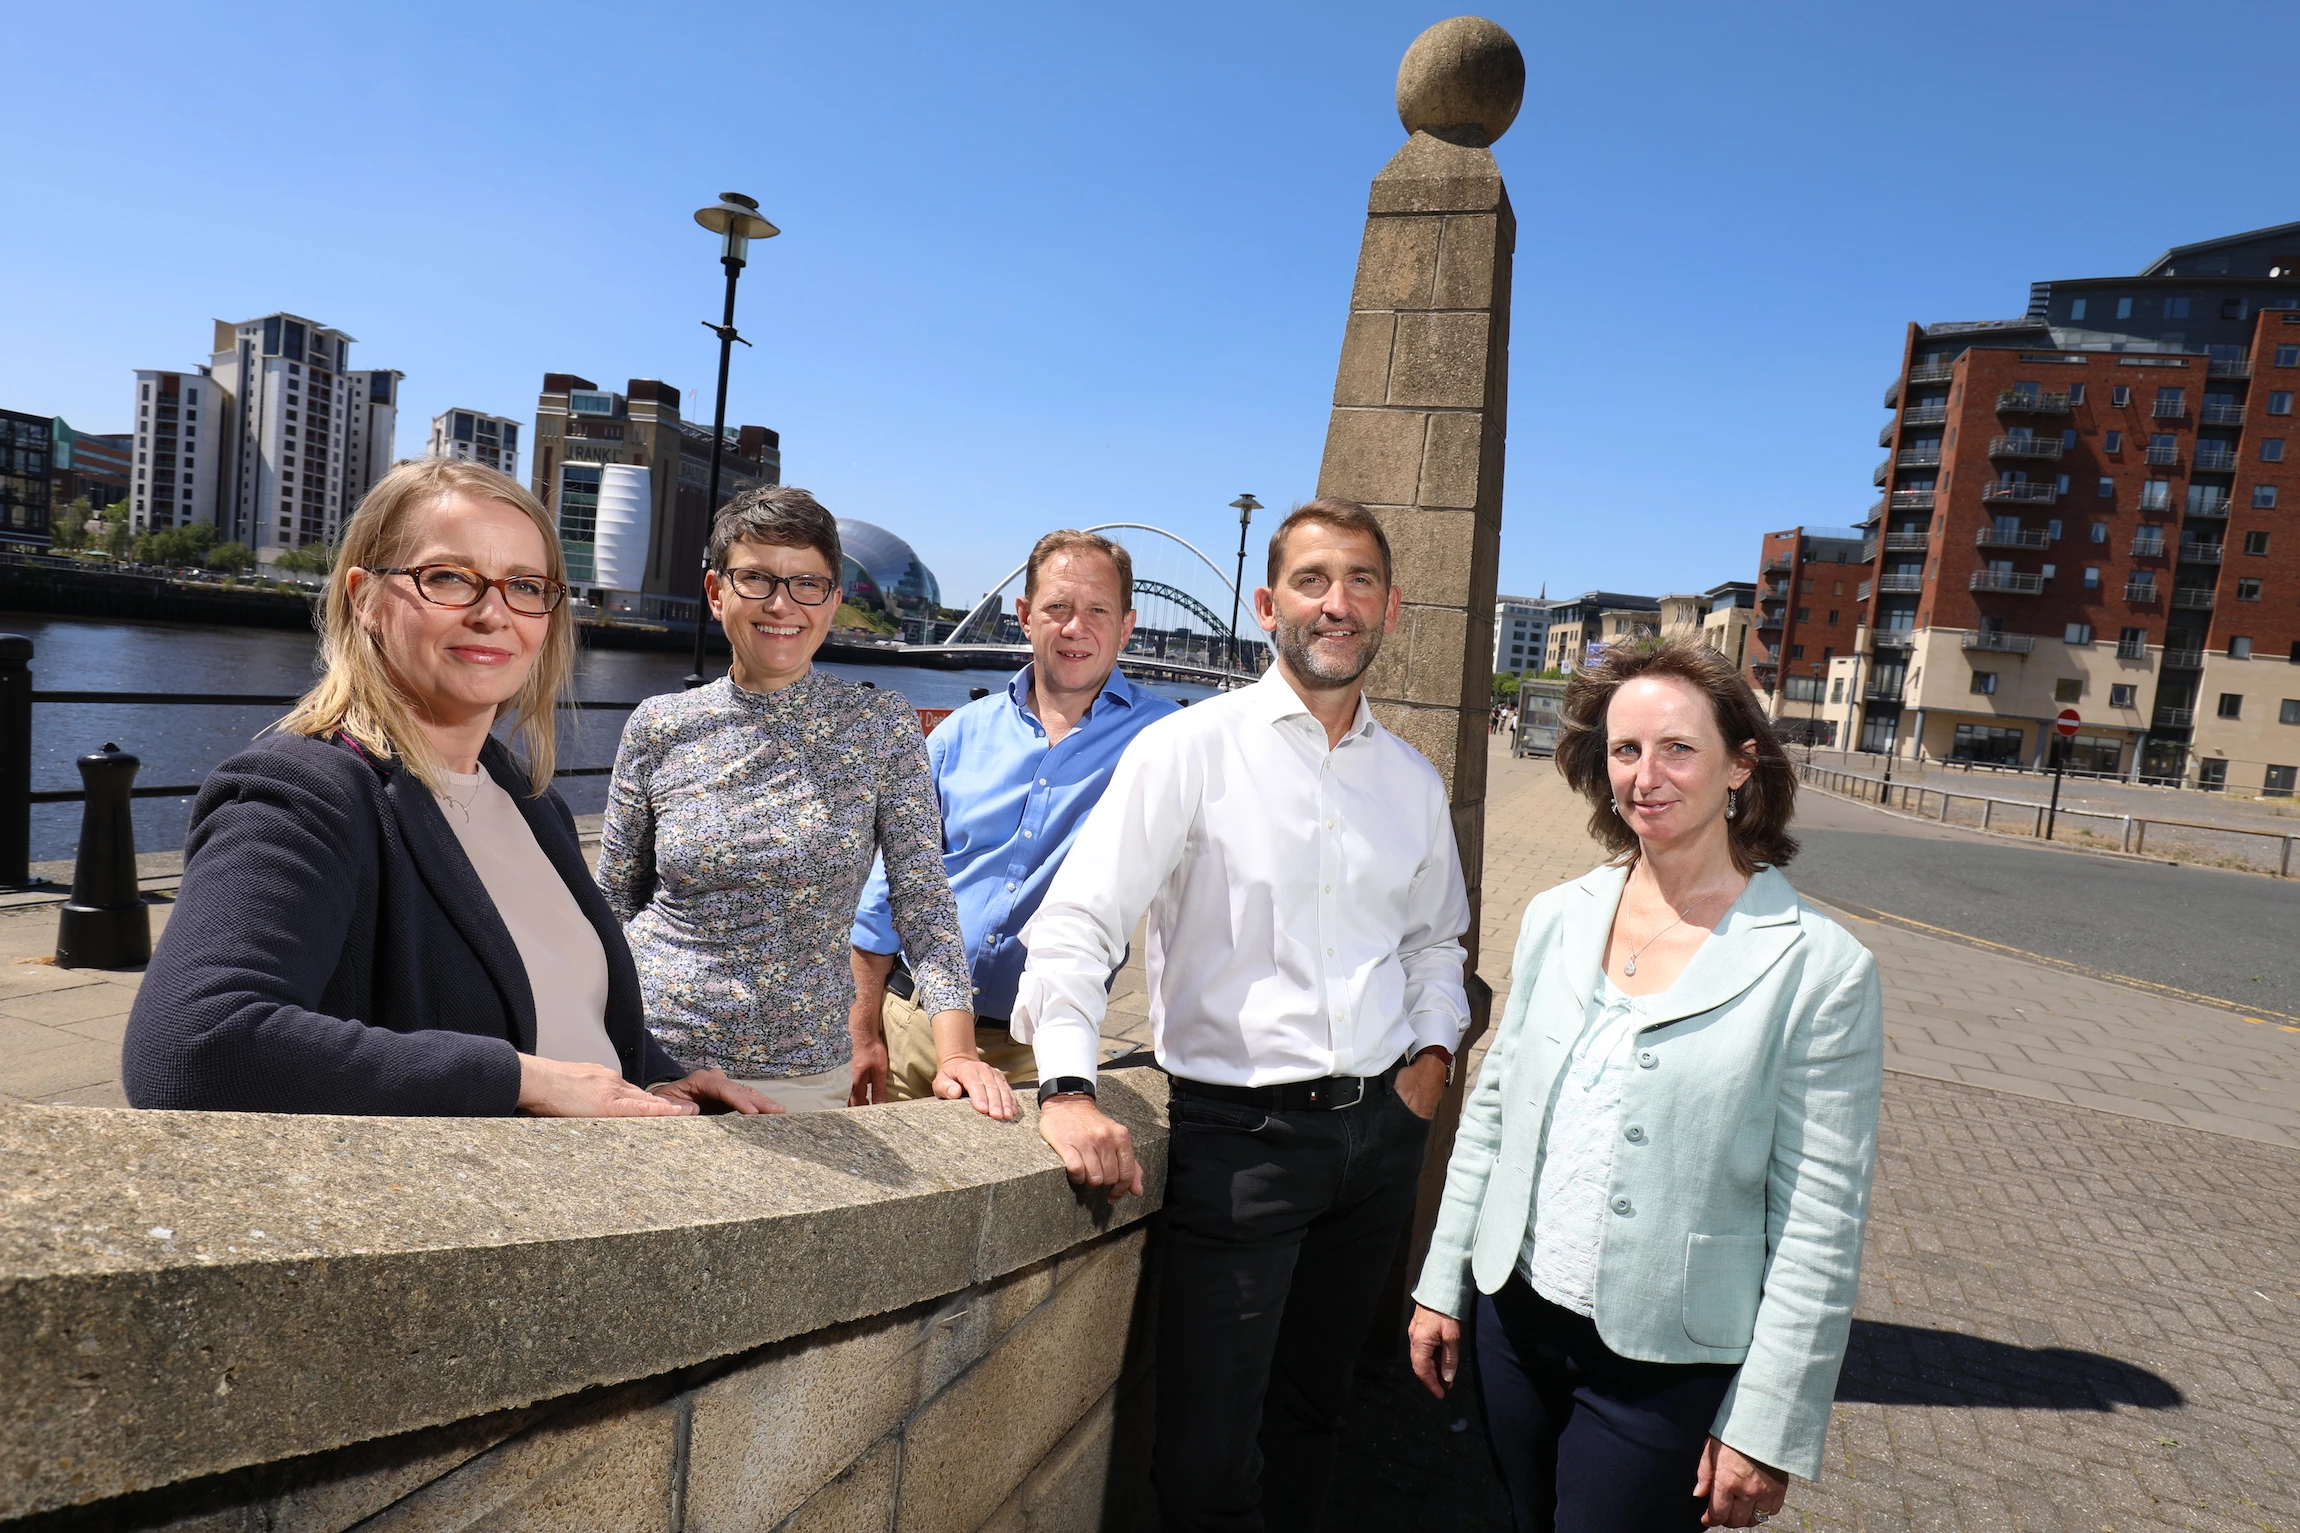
point(885, 572)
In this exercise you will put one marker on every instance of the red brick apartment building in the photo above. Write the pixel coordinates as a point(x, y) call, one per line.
point(2084, 507)
point(1812, 589)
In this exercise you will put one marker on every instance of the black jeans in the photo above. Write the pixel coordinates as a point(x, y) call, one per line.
point(1586, 1440)
point(1280, 1230)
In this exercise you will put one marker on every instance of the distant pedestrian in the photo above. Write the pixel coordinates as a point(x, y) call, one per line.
point(385, 909)
point(1656, 1198)
point(1305, 902)
point(742, 820)
point(1015, 775)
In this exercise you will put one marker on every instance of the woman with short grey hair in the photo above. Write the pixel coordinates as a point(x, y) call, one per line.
point(743, 819)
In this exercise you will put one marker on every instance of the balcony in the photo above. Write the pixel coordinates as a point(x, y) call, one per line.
point(1881, 473)
point(1893, 395)
point(2131, 650)
point(2199, 553)
point(2145, 547)
point(2020, 537)
point(1769, 622)
point(2218, 415)
point(2194, 598)
point(1907, 542)
point(1861, 591)
point(1932, 372)
point(1885, 434)
point(2024, 447)
point(2140, 590)
point(1900, 584)
point(2019, 581)
point(1922, 457)
point(2238, 368)
point(1926, 415)
point(2020, 494)
point(2164, 457)
point(2213, 506)
point(1777, 565)
point(2169, 409)
point(2176, 718)
point(1911, 500)
point(1868, 554)
point(2183, 659)
point(2003, 643)
point(2216, 460)
point(2027, 402)
point(1892, 638)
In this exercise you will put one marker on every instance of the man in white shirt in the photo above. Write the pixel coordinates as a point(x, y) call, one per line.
point(1305, 902)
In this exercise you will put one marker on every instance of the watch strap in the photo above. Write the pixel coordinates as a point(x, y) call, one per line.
point(1065, 1085)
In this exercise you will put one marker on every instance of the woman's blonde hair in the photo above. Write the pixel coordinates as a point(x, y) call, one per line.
point(357, 693)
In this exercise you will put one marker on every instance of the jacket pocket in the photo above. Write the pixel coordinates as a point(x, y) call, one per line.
point(1724, 1279)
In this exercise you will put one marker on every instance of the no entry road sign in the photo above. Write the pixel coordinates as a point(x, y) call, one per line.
point(2067, 722)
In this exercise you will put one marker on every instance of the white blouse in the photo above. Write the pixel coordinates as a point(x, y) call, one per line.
point(1576, 1168)
point(560, 949)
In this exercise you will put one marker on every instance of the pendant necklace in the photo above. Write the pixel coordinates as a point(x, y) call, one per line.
point(1629, 964)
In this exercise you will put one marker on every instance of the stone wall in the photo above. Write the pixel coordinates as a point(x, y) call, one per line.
point(901, 1318)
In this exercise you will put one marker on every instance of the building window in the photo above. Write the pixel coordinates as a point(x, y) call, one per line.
point(2280, 402)
point(2100, 532)
point(2076, 311)
point(2289, 713)
point(1796, 651)
point(2123, 311)
point(2256, 542)
point(2272, 449)
point(2068, 441)
point(2107, 489)
point(2132, 644)
point(2211, 776)
point(2092, 577)
point(2156, 495)
point(2247, 590)
point(2076, 390)
point(2121, 395)
point(1986, 743)
point(2288, 356)
point(1804, 614)
point(2176, 308)
point(2077, 633)
point(2069, 689)
point(1837, 690)
point(2113, 442)
point(2279, 782)
point(2122, 695)
point(2239, 647)
point(1985, 683)
point(2231, 705)
point(2264, 497)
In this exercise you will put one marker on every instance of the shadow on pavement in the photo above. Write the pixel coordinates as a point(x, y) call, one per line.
point(1887, 1364)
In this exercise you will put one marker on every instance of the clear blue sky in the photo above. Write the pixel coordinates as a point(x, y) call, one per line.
point(1049, 265)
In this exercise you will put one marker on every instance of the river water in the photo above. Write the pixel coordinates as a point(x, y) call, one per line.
point(179, 744)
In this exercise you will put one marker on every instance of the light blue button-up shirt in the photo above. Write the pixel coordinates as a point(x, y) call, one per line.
point(1011, 806)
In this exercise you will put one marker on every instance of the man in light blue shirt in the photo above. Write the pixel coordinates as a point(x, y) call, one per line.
point(1016, 773)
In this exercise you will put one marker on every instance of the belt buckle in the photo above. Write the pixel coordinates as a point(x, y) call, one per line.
point(1325, 1106)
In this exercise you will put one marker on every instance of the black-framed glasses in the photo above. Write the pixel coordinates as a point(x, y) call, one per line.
point(451, 585)
point(753, 584)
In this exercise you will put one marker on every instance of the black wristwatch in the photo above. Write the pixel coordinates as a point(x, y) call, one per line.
point(1064, 1086)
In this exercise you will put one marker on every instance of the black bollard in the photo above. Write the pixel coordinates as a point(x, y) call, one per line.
point(977, 694)
point(106, 924)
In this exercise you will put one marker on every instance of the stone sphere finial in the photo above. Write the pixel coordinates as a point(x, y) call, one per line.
point(1461, 81)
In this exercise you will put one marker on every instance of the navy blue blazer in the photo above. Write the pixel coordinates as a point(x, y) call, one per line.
point(332, 949)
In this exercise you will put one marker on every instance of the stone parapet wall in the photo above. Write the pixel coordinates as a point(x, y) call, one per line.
point(901, 1317)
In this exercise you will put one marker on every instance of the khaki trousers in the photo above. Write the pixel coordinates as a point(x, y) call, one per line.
point(820, 1092)
point(911, 1059)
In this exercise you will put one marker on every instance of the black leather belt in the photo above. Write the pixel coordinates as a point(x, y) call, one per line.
point(1326, 1094)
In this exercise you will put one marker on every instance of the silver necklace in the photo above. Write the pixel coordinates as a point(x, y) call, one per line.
point(1629, 964)
point(462, 806)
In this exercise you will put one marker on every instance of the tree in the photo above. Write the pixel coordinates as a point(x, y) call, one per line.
point(230, 557)
point(68, 532)
point(176, 547)
point(119, 538)
point(311, 559)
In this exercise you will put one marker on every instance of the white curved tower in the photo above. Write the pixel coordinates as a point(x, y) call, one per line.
point(626, 502)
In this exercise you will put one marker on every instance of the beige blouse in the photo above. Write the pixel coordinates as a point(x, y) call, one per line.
point(566, 966)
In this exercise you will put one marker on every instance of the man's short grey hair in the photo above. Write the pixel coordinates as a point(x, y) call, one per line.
point(782, 516)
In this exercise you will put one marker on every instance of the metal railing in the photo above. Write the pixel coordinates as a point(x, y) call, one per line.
point(2129, 649)
point(2216, 460)
point(2140, 590)
point(1892, 638)
point(2192, 598)
point(2018, 537)
point(2148, 548)
point(2182, 659)
point(2024, 447)
point(2220, 415)
point(2021, 493)
point(1998, 640)
point(1912, 500)
point(2030, 402)
point(2212, 505)
point(1917, 457)
point(2175, 718)
point(2169, 409)
point(1932, 372)
point(1900, 583)
point(1861, 591)
point(2199, 553)
point(1925, 415)
point(1907, 542)
point(2231, 368)
point(2164, 457)
point(2006, 580)
point(2028, 817)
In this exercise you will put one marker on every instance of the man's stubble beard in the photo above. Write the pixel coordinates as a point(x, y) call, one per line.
point(1305, 660)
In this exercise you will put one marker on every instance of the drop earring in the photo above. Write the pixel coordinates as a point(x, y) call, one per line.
point(1732, 802)
point(1616, 803)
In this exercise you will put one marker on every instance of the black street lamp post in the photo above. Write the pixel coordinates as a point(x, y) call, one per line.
point(735, 219)
point(1245, 505)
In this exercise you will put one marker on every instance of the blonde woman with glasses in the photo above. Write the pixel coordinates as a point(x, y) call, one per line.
point(384, 908)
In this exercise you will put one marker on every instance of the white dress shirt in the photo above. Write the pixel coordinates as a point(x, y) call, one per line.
point(1305, 903)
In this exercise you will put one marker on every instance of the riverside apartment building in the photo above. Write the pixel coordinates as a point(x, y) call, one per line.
point(1811, 585)
point(2086, 508)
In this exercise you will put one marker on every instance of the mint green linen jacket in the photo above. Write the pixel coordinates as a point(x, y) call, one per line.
point(1736, 1215)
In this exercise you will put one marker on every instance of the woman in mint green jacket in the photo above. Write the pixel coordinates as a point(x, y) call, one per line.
point(1657, 1195)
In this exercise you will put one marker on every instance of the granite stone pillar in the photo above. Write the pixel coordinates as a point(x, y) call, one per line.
point(1419, 422)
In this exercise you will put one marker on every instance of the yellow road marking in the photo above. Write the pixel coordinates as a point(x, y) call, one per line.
point(2289, 1024)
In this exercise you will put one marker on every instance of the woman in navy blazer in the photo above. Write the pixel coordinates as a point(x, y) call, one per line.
point(339, 945)
point(1657, 1195)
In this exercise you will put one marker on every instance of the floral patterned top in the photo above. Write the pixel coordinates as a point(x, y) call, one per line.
point(741, 827)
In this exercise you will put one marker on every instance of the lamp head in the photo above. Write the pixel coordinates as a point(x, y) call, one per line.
point(1246, 506)
point(735, 219)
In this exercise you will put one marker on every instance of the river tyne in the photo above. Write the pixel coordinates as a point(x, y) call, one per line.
point(181, 744)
